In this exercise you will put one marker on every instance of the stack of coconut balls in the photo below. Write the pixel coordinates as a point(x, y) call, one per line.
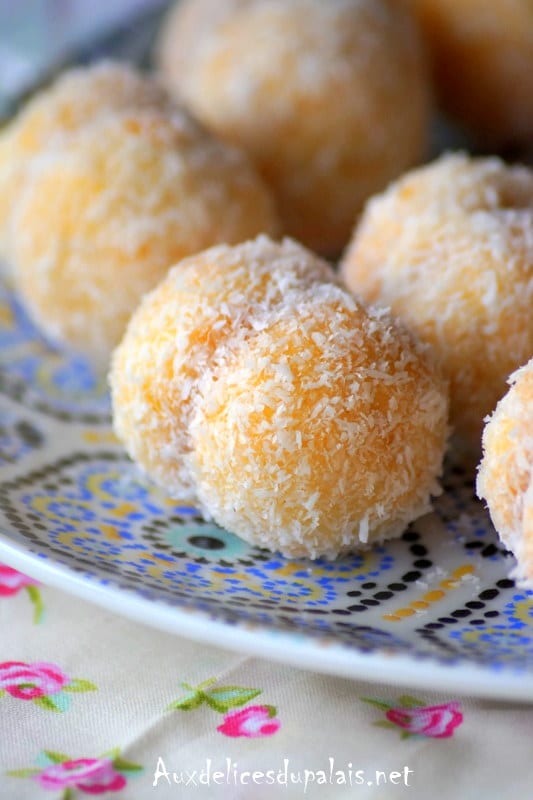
point(305, 409)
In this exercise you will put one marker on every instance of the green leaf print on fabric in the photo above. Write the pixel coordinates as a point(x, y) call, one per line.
point(251, 721)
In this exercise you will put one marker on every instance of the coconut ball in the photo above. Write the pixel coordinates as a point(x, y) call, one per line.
point(250, 384)
point(75, 99)
point(505, 478)
point(102, 218)
point(482, 54)
point(449, 248)
point(316, 93)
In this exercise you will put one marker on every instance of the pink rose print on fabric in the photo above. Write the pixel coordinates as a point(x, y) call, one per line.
point(27, 681)
point(438, 722)
point(12, 581)
point(252, 721)
point(45, 684)
point(89, 775)
point(414, 718)
point(57, 771)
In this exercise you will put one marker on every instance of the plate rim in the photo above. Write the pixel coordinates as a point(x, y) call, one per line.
point(302, 651)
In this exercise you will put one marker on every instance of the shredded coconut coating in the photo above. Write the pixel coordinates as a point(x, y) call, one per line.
point(316, 93)
point(449, 248)
point(76, 99)
point(505, 478)
point(482, 54)
point(249, 383)
point(101, 220)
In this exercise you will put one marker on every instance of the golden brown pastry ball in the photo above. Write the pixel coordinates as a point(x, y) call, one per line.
point(75, 99)
point(449, 248)
point(103, 217)
point(482, 53)
point(250, 384)
point(505, 478)
point(330, 99)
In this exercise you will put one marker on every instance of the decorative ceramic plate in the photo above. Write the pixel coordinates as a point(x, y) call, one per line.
point(435, 608)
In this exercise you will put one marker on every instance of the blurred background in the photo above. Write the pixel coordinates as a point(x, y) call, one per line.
point(38, 37)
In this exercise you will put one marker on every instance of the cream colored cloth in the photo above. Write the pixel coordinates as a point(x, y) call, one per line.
point(102, 684)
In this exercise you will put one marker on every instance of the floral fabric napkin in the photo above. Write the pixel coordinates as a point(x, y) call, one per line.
point(93, 704)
